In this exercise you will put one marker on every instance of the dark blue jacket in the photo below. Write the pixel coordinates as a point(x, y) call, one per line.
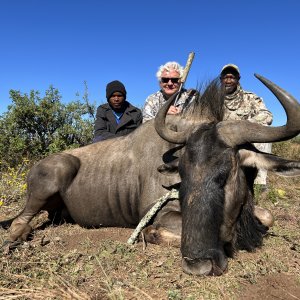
point(106, 126)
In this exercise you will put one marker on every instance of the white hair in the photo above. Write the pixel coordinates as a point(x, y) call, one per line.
point(171, 65)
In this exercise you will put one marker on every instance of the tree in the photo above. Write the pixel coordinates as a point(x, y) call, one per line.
point(36, 126)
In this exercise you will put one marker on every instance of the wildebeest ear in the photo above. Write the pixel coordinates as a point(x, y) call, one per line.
point(168, 169)
point(285, 167)
point(272, 163)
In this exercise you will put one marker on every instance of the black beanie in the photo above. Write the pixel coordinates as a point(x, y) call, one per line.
point(115, 86)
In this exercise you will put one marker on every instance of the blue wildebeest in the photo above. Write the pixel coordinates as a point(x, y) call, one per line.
point(115, 182)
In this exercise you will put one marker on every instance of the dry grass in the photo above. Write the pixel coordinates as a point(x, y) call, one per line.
point(56, 288)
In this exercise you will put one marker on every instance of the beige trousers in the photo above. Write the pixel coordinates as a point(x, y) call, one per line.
point(261, 177)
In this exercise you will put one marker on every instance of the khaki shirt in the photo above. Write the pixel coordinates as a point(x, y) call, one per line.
point(243, 105)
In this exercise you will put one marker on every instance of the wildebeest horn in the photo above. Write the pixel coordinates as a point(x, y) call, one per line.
point(240, 132)
point(165, 132)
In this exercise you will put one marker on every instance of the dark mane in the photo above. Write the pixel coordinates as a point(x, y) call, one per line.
point(208, 105)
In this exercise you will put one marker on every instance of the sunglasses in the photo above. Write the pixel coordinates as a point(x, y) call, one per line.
point(166, 80)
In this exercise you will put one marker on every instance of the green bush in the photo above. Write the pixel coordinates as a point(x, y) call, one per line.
point(35, 126)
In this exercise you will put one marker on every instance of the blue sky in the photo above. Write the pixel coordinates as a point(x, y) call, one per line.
point(66, 42)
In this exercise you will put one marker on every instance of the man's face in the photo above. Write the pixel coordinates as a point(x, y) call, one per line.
point(116, 100)
point(169, 82)
point(230, 82)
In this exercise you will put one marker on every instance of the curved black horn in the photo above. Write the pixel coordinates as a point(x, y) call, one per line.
point(240, 132)
point(165, 132)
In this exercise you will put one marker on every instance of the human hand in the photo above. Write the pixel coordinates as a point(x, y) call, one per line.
point(173, 110)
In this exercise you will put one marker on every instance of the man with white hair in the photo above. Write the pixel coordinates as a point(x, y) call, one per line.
point(169, 78)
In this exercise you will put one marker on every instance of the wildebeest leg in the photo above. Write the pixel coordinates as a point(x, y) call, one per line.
point(166, 230)
point(47, 182)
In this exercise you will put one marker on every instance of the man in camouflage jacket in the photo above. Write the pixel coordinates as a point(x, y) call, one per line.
point(243, 105)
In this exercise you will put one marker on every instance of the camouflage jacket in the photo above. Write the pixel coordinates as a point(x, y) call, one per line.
point(155, 101)
point(243, 105)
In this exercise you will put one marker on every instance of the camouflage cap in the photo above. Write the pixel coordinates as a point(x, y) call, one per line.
point(230, 66)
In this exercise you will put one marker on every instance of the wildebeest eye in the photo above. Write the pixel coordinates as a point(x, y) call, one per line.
point(172, 186)
point(168, 169)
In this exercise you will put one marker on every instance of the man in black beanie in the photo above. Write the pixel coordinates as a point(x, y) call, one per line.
point(117, 117)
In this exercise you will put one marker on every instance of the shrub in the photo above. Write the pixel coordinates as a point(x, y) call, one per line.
point(36, 126)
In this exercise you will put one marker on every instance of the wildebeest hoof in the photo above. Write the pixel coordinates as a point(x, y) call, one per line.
point(152, 235)
point(8, 246)
point(161, 236)
point(264, 216)
point(202, 268)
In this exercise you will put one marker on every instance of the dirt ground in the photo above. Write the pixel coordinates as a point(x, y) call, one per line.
point(271, 285)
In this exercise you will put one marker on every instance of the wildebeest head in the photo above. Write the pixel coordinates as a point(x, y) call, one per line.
point(217, 171)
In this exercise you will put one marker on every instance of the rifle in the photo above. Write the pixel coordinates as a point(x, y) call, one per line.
point(185, 74)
